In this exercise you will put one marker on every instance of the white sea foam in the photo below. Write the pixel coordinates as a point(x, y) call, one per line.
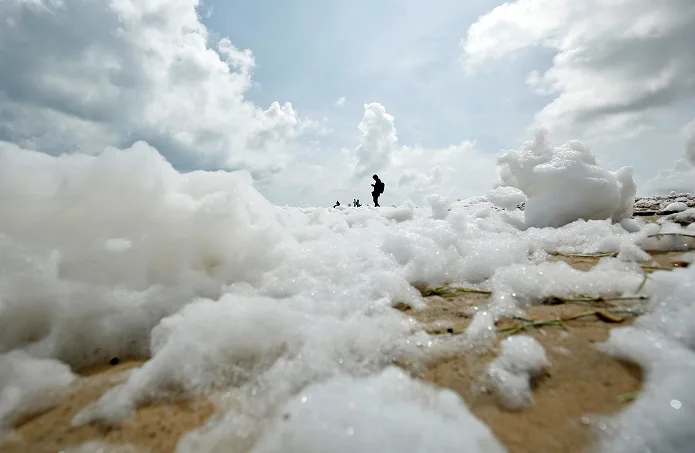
point(118, 255)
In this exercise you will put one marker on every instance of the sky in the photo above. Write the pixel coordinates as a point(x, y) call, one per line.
point(314, 96)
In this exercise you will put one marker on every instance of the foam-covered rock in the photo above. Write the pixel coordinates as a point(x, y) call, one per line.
point(683, 218)
point(677, 206)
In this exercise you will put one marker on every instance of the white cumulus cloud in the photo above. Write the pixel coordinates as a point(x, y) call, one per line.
point(409, 172)
point(690, 143)
point(414, 171)
point(681, 176)
point(79, 75)
point(379, 140)
point(616, 64)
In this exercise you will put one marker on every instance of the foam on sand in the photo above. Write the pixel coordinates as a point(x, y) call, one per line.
point(666, 236)
point(683, 218)
point(662, 342)
point(520, 285)
point(97, 249)
point(672, 305)
point(117, 255)
point(521, 359)
point(661, 419)
point(387, 412)
point(29, 385)
point(238, 341)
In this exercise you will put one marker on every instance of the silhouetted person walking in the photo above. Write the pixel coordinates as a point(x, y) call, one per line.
point(378, 190)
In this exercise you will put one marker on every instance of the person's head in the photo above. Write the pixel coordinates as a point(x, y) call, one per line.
point(376, 178)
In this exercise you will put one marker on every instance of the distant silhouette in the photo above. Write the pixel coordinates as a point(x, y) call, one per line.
point(337, 203)
point(378, 190)
point(356, 203)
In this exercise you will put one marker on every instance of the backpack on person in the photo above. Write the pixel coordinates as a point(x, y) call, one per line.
point(379, 187)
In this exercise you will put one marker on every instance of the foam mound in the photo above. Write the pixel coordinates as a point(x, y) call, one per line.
point(97, 249)
point(564, 184)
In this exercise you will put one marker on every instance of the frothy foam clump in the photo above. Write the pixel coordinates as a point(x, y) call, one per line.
point(519, 285)
point(239, 341)
point(661, 419)
point(522, 359)
point(387, 412)
point(565, 184)
point(440, 206)
point(683, 218)
point(666, 236)
point(506, 197)
point(662, 342)
point(531, 284)
point(97, 249)
point(672, 305)
point(29, 385)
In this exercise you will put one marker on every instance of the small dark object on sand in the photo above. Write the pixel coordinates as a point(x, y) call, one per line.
point(114, 361)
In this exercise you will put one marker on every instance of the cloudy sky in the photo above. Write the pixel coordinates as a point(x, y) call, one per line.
point(314, 96)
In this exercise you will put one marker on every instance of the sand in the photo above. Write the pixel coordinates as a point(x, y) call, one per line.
point(580, 382)
point(156, 428)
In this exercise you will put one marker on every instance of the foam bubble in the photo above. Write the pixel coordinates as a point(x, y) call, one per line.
point(440, 206)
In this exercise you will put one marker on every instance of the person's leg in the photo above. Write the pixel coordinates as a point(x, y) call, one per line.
point(375, 197)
